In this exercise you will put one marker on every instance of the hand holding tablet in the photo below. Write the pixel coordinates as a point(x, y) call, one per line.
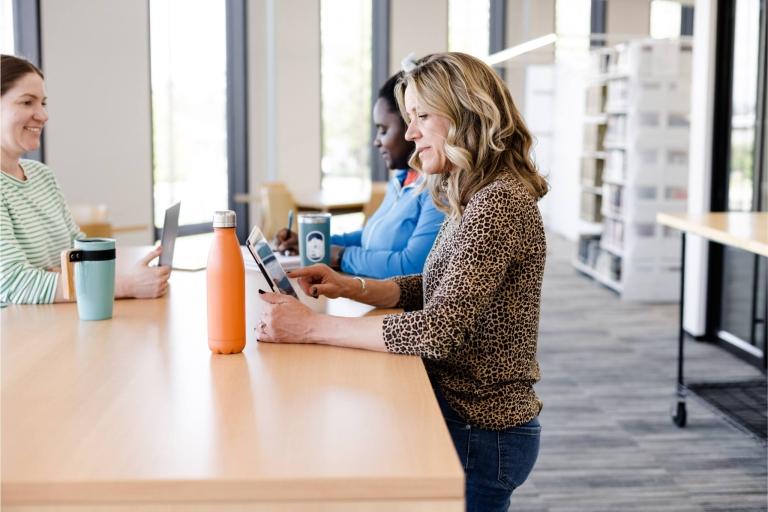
point(268, 265)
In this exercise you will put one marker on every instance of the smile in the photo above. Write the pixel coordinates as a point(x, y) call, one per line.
point(33, 130)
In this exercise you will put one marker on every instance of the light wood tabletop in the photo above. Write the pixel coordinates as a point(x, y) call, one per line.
point(333, 201)
point(135, 413)
point(743, 230)
point(325, 200)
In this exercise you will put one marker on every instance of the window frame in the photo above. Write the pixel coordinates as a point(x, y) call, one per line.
point(598, 16)
point(497, 32)
point(380, 31)
point(27, 44)
point(721, 144)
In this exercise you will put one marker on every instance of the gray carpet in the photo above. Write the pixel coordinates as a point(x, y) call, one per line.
point(608, 380)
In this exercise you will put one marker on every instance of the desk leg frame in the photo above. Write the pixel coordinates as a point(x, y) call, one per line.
point(679, 413)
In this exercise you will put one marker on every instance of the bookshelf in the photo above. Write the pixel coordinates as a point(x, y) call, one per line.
point(635, 164)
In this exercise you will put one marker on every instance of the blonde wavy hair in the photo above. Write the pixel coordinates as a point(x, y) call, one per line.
point(487, 134)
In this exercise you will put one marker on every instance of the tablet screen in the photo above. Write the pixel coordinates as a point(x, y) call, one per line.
point(268, 264)
point(170, 230)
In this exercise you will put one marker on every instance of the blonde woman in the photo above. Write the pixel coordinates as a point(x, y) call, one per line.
point(473, 314)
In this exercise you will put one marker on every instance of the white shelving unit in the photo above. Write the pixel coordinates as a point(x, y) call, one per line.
point(634, 165)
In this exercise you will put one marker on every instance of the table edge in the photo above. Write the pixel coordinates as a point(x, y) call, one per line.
point(198, 490)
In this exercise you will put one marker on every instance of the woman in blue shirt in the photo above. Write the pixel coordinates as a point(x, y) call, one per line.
point(399, 235)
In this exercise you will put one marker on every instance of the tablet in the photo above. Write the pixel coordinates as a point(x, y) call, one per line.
point(267, 261)
point(170, 230)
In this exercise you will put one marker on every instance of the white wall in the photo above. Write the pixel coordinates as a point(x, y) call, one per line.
point(526, 20)
point(560, 207)
point(261, 157)
point(293, 94)
point(418, 26)
point(539, 115)
point(284, 95)
point(98, 139)
point(628, 17)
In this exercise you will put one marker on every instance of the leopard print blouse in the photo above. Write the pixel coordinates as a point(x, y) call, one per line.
point(473, 314)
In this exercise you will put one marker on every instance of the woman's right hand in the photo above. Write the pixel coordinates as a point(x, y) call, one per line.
point(320, 279)
point(287, 241)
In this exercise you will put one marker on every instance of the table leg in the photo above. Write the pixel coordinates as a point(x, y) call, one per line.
point(679, 413)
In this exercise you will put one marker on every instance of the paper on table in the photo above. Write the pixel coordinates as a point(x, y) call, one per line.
point(289, 262)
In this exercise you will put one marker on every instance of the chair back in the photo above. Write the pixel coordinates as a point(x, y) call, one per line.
point(93, 220)
point(276, 202)
point(378, 191)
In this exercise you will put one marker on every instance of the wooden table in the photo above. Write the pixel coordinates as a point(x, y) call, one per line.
point(742, 230)
point(135, 413)
point(333, 201)
point(328, 201)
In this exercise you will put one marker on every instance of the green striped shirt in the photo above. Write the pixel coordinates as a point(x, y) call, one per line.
point(35, 226)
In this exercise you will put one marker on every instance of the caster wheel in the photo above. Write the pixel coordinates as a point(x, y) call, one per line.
point(679, 414)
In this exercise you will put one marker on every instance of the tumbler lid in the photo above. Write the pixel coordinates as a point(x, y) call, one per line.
point(224, 219)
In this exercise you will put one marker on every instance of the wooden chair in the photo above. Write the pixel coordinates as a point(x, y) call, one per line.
point(93, 220)
point(276, 201)
point(378, 191)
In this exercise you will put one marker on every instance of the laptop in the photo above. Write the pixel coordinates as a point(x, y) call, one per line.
point(170, 232)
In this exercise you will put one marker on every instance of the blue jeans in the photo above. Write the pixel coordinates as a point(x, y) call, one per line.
point(495, 462)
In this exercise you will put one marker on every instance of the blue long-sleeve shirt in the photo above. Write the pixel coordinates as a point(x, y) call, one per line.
point(397, 238)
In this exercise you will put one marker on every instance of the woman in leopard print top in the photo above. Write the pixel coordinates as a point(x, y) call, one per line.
point(473, 314)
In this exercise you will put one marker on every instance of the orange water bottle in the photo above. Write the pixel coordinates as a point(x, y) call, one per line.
point(226, 287)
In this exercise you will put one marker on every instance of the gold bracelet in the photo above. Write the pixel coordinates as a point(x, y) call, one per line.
point(362, 282)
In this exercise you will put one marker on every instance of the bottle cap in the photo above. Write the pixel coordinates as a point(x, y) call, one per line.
point(224, 219)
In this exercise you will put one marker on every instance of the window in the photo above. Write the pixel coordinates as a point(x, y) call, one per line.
point(469, 26)
point(188, 51)
point(346, 37)
point(737, 293)
point(744, 105)
point(665, 18)
point(6, 43)
point(572, 22)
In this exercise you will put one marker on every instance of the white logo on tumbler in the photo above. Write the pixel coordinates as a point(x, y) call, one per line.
point(315, 246)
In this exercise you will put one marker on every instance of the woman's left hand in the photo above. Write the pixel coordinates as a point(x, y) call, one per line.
point(141, 281)
point(285, 320)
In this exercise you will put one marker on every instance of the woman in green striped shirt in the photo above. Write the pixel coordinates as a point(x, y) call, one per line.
point(35, 222)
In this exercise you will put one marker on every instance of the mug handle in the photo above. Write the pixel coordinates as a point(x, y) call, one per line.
point(67, 275)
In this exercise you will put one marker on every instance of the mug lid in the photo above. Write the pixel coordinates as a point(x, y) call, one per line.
point(314, 217)
point(94, 244)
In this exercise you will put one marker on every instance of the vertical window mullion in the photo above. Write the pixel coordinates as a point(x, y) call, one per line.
point(237, 111)
point(597, 22)
point(497, 31)
point(380, 19)
point(761, 115)
point(26, 35)
point(686, 20)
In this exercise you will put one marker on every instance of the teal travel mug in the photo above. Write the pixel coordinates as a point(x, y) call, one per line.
point(315, 238)
point(94, 268)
